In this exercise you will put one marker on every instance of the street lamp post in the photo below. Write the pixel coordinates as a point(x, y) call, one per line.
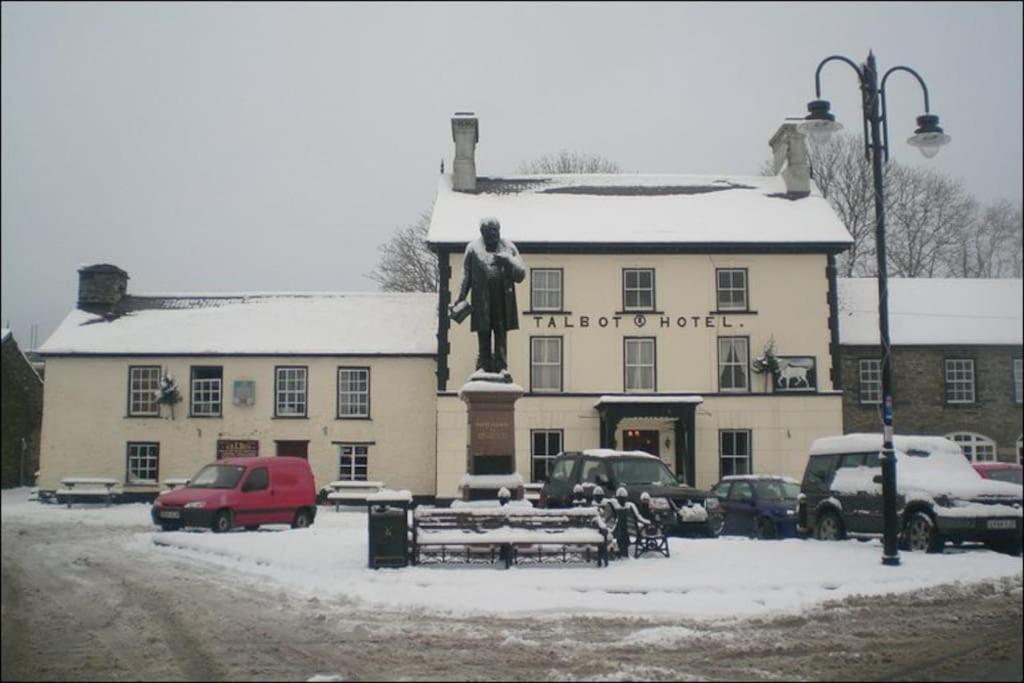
point(820, 123)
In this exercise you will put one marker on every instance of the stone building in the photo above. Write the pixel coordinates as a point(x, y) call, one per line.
point(956, 359)
point(22, 415)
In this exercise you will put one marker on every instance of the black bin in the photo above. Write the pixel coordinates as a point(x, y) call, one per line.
point(388, 525)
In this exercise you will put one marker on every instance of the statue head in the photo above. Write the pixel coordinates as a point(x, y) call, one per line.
point(490, 230)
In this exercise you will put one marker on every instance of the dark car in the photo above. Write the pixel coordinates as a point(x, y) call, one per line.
point(758, 505)
point(680, 509)
point(939, 496)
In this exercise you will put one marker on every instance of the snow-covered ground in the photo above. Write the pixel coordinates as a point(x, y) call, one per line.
point(704, 578)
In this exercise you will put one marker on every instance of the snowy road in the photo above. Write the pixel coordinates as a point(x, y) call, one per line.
point(78, 604)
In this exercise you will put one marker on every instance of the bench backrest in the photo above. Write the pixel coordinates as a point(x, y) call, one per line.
point(514, 518)
point(88, 481)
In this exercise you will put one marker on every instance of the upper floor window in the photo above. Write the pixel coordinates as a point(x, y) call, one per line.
point(870, 380)
point(290, 391)
point(638, 289)
point(976, 447)
point(143, 390)
point(732, 289)
point(546, 289)
point(1018, 380)
point(353, 392)
point(545, 363)
point(207, 382)
point(733, 364)
point(640, 364)
point(959, 380)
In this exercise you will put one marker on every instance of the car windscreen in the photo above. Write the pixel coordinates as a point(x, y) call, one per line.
point(776, 490)
point(628, 471)
point(1012, 476)
point(217, 477)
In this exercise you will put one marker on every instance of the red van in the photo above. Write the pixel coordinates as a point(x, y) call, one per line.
point(244, 492)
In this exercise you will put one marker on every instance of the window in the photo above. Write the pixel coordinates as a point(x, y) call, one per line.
point(290, 390)
point(732, 289)
point(734, 451)
point(562, 469)
point(545, 444)
point(976, 447)
point(959, 380)
point(353, 462)
point(206, 390)
point(591, 471)
point(733, 364)
point(639, 364)
point(143, 463)
point(1018, 380)
point(638, 289)
point(353, 392)
point(870, 380)
point(143, 388)
point(545, 363)
point(258, 480)
point(741, 491)
point(546, 289)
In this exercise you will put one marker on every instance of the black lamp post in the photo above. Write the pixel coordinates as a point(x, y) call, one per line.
point(820, 123)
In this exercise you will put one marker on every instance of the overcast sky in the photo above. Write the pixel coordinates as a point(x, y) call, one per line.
point(260, 147)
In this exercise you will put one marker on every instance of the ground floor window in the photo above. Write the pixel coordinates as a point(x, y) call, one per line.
point(734, 451)
point(545, 444)
point(143, 462)
point(976, 447)
point(353, 462)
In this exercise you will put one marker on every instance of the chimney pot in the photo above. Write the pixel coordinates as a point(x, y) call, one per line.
point(101, 287)
point(465, 133)
point(789, 154)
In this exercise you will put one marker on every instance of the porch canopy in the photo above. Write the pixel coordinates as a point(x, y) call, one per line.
point(613, 408)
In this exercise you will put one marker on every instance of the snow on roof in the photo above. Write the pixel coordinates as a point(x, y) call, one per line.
point(662, 398)
point(610, 453)
point(760, 477)
point(625, 208)
point(933, 311)
point(866, 443)
point(256, 324)
point(5, 333)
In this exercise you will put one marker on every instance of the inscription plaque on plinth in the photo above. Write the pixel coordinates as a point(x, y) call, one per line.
point(491, 440)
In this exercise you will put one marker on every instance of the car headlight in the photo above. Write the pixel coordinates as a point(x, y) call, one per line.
point(197, 504)
point(711, 503)
point(659, 504)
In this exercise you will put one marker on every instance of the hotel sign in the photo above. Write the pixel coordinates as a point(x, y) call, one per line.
point(237, 448)
point(635, 321)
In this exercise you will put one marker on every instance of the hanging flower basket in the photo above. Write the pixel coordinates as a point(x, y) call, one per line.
point(168, 394)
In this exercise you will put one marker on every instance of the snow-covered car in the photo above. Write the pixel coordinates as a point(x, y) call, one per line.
point(681, 510)
point(940, 497)
point(1000, 471)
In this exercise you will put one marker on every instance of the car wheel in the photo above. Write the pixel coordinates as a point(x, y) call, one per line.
point(829, 527)
point(169, 526)
point(766, 530)
point(921, 534)
point(252, 527)
point(715, 527)
point(302, 519)
point(222, 522)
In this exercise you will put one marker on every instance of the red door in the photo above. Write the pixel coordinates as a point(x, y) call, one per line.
point(645, 440)
point(293, 449)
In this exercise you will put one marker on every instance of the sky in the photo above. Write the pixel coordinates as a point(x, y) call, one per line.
point(227, 147)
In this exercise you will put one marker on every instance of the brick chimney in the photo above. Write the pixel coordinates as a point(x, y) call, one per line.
point(101, 287)
point(465, 133)
point(789, 152)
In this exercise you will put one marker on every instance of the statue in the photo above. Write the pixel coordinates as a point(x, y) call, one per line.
point(491, 268)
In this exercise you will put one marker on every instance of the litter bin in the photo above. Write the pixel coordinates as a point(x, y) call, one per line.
point(388, 525)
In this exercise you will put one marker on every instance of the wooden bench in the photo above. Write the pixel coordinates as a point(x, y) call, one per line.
point(631, 527)
point(352, 492)
point(531, 492)
point(508, 534)
point(89, 488)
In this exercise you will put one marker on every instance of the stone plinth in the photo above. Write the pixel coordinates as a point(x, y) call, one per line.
point(491, 443)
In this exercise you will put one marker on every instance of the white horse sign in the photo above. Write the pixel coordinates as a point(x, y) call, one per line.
point(796, 373)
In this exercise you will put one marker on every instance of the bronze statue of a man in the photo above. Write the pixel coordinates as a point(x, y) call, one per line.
point(491, 268)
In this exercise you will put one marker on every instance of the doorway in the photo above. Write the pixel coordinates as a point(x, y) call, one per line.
point(293, 449)
point(645, 440)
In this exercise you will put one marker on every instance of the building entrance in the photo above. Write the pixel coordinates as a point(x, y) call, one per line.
point(645, 440)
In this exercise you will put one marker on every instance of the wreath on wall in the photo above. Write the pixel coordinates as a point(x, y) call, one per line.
point(168, 394)
point(768, 362)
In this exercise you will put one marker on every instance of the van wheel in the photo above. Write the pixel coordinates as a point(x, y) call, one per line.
point(222, 522)
point(302, 519)
point(921, 535)
point(829, 527)
point(766, 530)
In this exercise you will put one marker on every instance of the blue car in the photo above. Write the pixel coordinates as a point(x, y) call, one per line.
point(757, 505)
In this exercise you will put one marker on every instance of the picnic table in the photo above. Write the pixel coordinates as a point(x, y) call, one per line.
point(345, 492)
point(87, 487)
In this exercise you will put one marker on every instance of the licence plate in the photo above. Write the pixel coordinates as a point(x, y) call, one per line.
point(1002, 524)
point(170, 514)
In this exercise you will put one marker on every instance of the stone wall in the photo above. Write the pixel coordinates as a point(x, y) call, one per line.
point(22, 415)
point(919, 392)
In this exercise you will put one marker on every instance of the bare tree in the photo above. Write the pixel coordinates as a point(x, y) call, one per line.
point(405, 263)
point(993, 246)
point(567, 161)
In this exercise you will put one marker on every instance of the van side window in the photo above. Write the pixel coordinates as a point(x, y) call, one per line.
point(741, 491)
point(851, 460)
point(591, 470)
point(257, 480)
point(819, 469)
point(562, 469)
point(871, 459)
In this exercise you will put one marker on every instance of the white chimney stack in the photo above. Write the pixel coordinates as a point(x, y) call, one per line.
point(789, 152)
point(465, 133)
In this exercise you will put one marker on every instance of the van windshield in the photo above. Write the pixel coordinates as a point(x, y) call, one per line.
point(641, 471)
point(217, 477)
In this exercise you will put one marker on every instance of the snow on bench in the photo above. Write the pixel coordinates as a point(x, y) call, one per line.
point(176, 483)
point(352, 491)
point(531, 492)
point(87, 487)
